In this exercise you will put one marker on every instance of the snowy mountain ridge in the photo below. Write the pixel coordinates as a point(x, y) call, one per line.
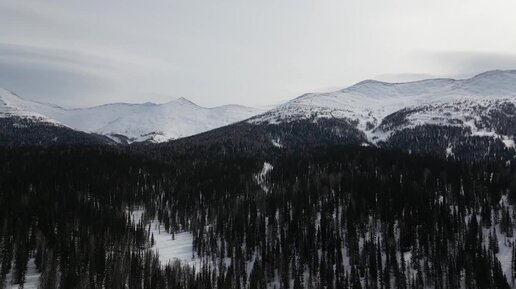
point(12, 105)
point(129, 122)
point(434, 113)
point(380, 109)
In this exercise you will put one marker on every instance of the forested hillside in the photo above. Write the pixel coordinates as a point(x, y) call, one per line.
point(332, 217)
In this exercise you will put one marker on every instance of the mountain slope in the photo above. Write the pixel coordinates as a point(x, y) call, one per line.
point(172, 120)
point(129, 122)
point(464, 118)
point(20, 131)
point(23, 123)
point(12, 105)
point(421, 116)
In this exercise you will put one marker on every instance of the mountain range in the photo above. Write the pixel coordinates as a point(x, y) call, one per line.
point(474, 116)
point(124, 122)
point(378, 185)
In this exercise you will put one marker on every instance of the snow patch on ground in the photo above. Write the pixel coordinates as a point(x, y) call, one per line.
point(505, 243)
point(277, 143)
point(449, 151)
point(31, 277)
point(177, 248)
point(509, 143)
point(261, 177)
point(170, 247)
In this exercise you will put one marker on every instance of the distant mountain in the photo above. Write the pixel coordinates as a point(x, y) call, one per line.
point(22, 124)
point(473, 117)
point(375, 106)
point(128, 123)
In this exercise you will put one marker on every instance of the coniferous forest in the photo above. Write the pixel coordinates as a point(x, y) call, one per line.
point(323, 217)
point(269, 144)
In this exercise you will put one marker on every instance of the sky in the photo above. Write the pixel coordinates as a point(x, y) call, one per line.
point(79, 53)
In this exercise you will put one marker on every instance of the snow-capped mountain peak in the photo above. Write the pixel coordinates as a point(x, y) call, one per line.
point(12, 105)
point(379, 89)
point(180, 101)
point(129, 122)
point(371, 104)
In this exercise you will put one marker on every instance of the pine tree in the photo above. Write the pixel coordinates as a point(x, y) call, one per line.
point(513, 260)
point(493, 241)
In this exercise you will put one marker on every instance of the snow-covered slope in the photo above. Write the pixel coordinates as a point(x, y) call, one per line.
point(380, 109)
point(172, 120)
point(434, 114)
point(12, 105)
point(131, 122)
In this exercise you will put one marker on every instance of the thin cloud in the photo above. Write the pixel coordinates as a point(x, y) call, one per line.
point(403, 77)
point(54, 76)
point(463, 64)
point(247, 52)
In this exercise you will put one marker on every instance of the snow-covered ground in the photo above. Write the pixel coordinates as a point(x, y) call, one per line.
point(170, 247)
point(31, 277)
point(261, 177)
point(276, 142)
point(505, 244)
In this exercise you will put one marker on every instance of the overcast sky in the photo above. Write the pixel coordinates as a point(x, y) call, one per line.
point(213, 52)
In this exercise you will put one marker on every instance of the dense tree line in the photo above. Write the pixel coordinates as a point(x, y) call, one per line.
point(68, 210)
point(333, 217)
point(347, 215)
point(18, 131)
